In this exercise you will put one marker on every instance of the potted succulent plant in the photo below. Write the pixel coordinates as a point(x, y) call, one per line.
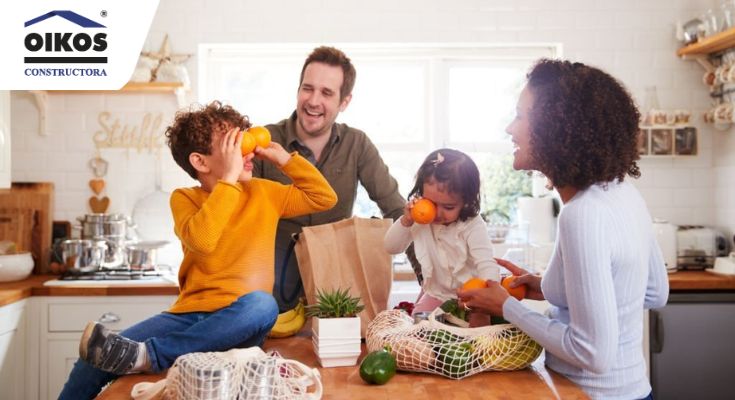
point(335, 327)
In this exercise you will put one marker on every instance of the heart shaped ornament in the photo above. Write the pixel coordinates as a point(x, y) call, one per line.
point(99, 205)
point(97, 185)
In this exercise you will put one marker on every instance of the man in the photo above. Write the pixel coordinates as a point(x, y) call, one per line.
point(344, 155)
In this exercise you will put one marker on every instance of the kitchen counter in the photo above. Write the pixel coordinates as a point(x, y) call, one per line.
point(700, 280)
point(33, 286)
point(535, 382)
point(11, 292)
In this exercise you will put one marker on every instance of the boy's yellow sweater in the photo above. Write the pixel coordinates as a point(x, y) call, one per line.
point(228, 236)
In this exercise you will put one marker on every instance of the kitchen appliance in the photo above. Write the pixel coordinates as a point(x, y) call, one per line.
point(666, 235)
point(698, 246)
point(691, 349)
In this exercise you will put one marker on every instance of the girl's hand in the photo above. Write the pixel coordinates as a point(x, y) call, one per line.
point(274, 153)
point(487, 300)
point(406, 218)
point(227, 149)
point(532, 281)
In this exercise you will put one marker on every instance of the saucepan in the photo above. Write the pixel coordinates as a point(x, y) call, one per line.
point(83, 255)
point(143, 256)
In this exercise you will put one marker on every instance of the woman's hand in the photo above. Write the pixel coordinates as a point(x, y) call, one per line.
point(227, 148)
point(274, 153)
point(532, 281)
point(488, 300)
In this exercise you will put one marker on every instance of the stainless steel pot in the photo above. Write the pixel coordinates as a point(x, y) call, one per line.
point(111, 226)
point(143, 255)
point(83, 255)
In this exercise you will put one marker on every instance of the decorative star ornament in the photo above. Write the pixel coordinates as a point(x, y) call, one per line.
point(164, 56)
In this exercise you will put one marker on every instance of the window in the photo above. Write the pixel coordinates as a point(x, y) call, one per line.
point(410, 99)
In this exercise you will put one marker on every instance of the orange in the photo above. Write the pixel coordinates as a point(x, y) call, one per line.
point(261, 134)
point(423, 211)
point(517, 292)
point(474, 283)
point(248, 143)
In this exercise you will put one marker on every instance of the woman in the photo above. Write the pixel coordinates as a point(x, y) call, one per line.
point(578, 126)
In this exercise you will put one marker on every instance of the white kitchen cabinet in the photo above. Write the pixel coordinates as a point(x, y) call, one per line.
point(13, 351)
point(62, 320)
point(4, 139)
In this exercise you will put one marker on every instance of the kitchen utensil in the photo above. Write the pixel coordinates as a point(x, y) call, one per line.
point(143, 255)
point(15, 267)
point(83, 255)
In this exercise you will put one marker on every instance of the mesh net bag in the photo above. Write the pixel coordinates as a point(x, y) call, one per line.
point(240, 374)
point(437, 348)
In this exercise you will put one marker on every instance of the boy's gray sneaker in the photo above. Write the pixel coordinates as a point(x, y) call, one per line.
point(106, 350)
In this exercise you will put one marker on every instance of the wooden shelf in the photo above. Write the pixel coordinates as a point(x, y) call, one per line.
point(147, 87)
point(177, 88)
point(712, 44)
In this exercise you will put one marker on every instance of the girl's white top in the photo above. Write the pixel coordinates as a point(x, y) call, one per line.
point(449, 254)
point(605, 269)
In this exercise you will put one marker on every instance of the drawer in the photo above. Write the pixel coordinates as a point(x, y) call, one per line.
point(73, 317)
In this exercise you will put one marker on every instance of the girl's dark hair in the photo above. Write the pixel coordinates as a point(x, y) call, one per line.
point(458, 172)
point(584, 125)
point(191, 131)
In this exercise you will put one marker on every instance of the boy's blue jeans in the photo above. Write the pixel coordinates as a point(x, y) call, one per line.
point(244, 323)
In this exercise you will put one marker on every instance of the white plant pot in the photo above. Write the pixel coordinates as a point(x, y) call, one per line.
point(336, 341)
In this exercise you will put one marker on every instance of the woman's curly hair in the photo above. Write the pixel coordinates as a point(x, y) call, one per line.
point(584, 125)
point(192, 130)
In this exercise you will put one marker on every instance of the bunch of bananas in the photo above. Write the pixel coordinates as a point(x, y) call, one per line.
point(289, 322)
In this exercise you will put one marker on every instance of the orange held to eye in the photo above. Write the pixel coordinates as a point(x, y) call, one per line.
point(474, 283)
point(423, 211)
point(248, 143)
point(517, 292)
point(261, 134)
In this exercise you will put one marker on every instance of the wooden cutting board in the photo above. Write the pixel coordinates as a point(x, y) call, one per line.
point(39, 198)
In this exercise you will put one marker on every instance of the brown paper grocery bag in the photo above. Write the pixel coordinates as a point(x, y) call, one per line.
point(347, 254)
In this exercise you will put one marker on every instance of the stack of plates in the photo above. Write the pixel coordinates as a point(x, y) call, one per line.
point(336, 351)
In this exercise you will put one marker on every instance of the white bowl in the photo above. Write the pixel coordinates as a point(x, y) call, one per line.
point(15, 267)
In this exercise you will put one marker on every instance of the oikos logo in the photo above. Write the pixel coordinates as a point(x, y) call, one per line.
point(84, 45)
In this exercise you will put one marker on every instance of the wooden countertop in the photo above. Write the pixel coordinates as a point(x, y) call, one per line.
point(700, 280)
point(33, 286)
point(535, 382)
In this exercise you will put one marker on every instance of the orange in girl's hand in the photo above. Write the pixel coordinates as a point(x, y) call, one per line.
point(423, 211)
point(261, 134)
point(474, 283)
point(248, 143)
point(518, 292)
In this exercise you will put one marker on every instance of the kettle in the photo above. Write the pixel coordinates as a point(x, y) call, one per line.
point(666, 238)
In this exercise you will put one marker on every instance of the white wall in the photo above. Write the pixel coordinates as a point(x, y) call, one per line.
point(632, 39)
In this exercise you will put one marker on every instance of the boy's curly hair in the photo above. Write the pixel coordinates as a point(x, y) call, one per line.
point(192, 130)
point(584, 125)
point(457, 172)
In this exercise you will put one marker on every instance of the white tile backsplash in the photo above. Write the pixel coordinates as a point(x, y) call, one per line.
point(632, 39)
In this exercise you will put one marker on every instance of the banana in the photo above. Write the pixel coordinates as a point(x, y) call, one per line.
point(289, 322)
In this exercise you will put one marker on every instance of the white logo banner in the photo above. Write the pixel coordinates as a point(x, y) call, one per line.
point(72, 44)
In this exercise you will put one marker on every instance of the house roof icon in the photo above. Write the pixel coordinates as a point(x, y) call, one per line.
point(71, 16)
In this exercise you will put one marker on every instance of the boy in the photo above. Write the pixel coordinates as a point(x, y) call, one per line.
point(227, 230)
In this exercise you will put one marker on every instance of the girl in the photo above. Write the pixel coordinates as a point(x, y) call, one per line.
point(455, 246)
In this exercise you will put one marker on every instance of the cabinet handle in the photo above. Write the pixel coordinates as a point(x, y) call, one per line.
point(109, 318)
point(657, 331)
